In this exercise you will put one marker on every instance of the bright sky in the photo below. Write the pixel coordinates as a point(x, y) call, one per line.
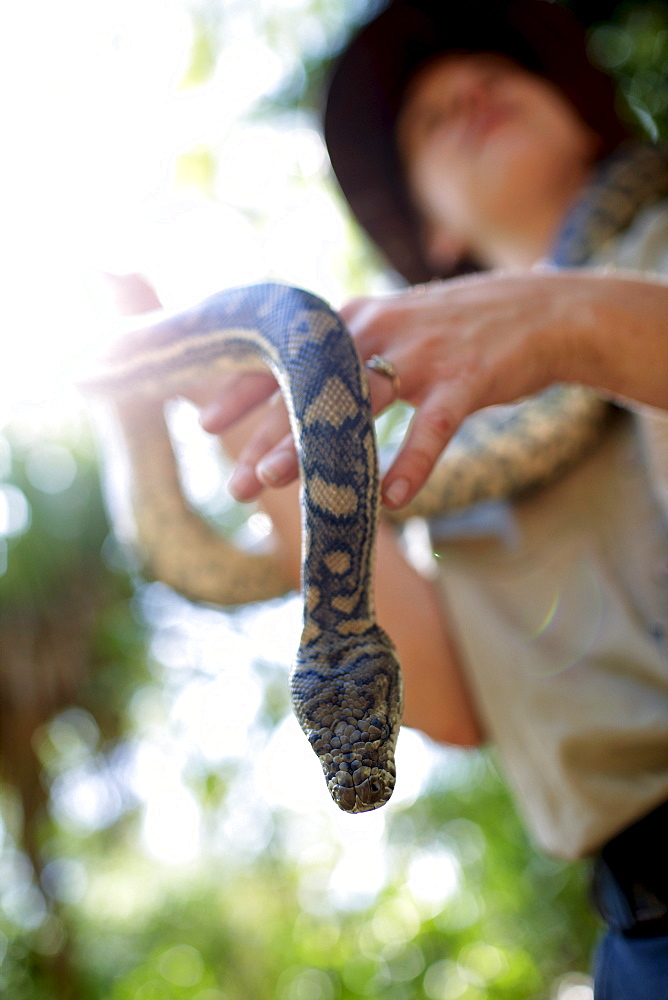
point(96, 123)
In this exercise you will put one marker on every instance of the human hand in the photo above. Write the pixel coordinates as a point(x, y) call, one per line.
point(269, 457)
point(457, 346)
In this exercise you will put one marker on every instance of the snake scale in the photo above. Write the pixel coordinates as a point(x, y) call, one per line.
point(346, 682)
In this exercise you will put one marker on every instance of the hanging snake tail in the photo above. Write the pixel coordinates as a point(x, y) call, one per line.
point(171, 541)
point(346, 683)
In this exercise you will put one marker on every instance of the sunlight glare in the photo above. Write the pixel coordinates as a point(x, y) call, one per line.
point(88, 125)
point(433, 879)
point(51, 467)
point(575, 986)
point(362, 871)
point(100, 120)
point(288, 773)
point(249, 69)
point(15, 512)
point(171, 824)
point(86, 798)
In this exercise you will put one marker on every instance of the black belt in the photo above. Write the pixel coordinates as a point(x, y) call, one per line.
point(630, 879)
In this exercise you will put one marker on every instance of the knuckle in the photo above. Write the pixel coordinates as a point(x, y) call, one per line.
point(422, 462)
point(438, 425)
point(371, 321)
point(353, 305)
point(429, 438)
point(354, 311)
point(257, 446)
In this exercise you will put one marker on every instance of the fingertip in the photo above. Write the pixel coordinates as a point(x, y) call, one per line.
point(243, 484)
point(213, 417)
point(382, 391)
point(277, 469)
point(397, 493)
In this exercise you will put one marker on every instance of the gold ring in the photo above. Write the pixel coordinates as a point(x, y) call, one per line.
point(384, 367)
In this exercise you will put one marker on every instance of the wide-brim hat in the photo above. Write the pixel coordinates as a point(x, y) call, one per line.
point(370, 76)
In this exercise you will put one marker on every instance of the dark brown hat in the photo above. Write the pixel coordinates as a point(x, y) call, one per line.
point(370, 77)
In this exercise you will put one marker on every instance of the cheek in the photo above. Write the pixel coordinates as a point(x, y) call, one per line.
point(552, 124)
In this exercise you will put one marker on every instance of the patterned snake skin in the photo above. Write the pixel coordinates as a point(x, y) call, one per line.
point(346, 683)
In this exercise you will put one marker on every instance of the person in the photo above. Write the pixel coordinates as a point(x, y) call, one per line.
point(486, 156)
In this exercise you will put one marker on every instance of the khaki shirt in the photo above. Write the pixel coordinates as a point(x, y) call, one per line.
point(560, 612)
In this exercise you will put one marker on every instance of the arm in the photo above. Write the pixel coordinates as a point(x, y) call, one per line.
point(469, 343)
point(496, 338)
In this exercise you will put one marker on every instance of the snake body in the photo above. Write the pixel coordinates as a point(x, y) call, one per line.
point(346, 683)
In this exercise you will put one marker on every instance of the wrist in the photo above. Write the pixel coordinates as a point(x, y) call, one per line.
point(576, 346)
point(614, 336)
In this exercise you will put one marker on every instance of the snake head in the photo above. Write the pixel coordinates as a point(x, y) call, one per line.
point(348, 699)
point(358, 780)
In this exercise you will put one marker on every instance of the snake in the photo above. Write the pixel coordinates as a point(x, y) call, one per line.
point(346, 685)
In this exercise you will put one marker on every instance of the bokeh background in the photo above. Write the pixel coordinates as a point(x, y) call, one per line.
point(165, 833)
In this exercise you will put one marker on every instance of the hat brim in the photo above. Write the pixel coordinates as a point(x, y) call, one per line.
point(369, 79)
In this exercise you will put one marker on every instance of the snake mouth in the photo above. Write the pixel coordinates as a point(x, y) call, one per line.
point(361, 790)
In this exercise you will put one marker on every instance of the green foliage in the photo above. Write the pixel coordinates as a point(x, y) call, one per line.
point(58, 555)
point(197, 169)
point(634, 47)
point(52, 495)
point(513, 925)
point(203, 49)
point(106, 921)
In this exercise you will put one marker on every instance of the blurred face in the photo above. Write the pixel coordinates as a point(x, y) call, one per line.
point(493, 157)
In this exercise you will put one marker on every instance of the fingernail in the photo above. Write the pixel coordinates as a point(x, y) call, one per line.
point(396, 493)
point(275, 468)
point(242, 483)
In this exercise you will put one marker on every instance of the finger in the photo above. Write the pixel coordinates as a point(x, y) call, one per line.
point(381, 390)
point(351, 308)
point(432, 427)
point(131, 294)
point(246, 483)
point(268, 462)
point(280, 466)
point(367, 322)
point(244, 393)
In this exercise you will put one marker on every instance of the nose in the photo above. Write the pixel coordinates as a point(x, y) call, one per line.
point(471, 96)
